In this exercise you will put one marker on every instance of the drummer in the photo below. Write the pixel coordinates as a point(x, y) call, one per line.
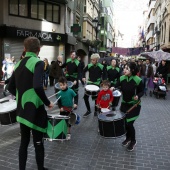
point(73, 69)
point(95, 73)
point(132, 90)
point(65, 102)
point(104, 97)
point(113, 74)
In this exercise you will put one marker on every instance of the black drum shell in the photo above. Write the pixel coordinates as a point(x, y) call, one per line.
point(112, 127)
point(8, 117)
point(115, 101)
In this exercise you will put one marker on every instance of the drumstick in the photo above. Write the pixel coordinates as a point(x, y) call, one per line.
point(56, 100)
point(52, 95)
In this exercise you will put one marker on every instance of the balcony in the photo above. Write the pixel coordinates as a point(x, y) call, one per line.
point(149, 35)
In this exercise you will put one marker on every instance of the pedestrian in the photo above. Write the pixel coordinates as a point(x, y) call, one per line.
point(51, 78)
point(56, 70)
point(105, 96)
point(26, 84)
point(162, 70)
point(132, 90)
point(104, 76)
point(72, 72)
point(8, 68)
point(65, 103)
point(95, 70)
point(146, 73)
point(46, 73)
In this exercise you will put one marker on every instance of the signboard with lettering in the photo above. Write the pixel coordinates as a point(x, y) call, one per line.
point(41, 35)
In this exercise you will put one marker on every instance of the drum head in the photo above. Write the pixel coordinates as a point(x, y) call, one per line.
point(116, 93)
point(104, 110)
point(111, 116)
point(8, 106)
point(92, 88)
point(69, 84)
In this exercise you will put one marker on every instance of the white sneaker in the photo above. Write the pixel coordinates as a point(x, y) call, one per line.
point(68, 136)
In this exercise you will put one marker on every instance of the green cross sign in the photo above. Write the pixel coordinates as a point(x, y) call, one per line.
point(75, 29)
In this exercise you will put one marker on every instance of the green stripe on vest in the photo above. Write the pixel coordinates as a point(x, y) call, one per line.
point(31, 96)
point(31, 125)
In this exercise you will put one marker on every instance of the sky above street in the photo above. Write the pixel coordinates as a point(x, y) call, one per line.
point(129, 16)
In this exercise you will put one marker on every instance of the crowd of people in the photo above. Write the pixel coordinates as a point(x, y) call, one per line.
point(29, 83)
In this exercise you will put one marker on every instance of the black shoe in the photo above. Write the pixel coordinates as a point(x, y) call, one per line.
point(86, 114)
point(131, 146)
point(95, 113)
point(45, 168)
point(126, 142)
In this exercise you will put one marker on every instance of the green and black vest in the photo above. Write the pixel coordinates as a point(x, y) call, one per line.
point(95, 73)
point(72, 68)
point(30, 108)
point(130, 87)
point(113, 74)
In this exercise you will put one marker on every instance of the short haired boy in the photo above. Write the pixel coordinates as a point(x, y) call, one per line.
point(65, 102)
point(105, 96)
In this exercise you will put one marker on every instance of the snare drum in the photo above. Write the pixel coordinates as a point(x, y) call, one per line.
point(91, 90)
point(7, 111)
point(117, 95)
point(112, 124)
point(57, 127)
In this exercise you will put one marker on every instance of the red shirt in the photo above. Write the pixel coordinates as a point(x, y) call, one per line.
point(104, 98)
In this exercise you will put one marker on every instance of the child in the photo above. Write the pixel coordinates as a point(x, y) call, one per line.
point(65, 102)
point(105, 96)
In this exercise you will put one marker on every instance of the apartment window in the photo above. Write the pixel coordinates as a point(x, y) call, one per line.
point(18, 7)
point(41, 10)
point(13, 7)
point(35, 9)
point(56, 11)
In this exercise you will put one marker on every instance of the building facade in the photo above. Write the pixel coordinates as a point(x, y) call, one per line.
point(42, 19)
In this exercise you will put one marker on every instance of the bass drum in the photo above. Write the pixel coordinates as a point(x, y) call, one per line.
point(8, 111)
point(112, 124)
point(57, 127)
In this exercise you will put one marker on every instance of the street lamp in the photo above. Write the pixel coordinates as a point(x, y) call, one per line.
point(96, 25)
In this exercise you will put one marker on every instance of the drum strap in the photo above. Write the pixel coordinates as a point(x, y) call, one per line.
point(134, 106)
point(68, 109)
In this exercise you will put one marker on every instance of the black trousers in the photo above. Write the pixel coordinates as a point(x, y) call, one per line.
point(86, 100)
point(38, 144)
point(51, 80)
point(130, 131)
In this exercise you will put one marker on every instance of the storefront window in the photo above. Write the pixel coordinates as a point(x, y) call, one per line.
point(13, 7)
point(34, 9)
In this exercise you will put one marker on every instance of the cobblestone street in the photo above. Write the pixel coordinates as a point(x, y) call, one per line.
point(87, 150)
